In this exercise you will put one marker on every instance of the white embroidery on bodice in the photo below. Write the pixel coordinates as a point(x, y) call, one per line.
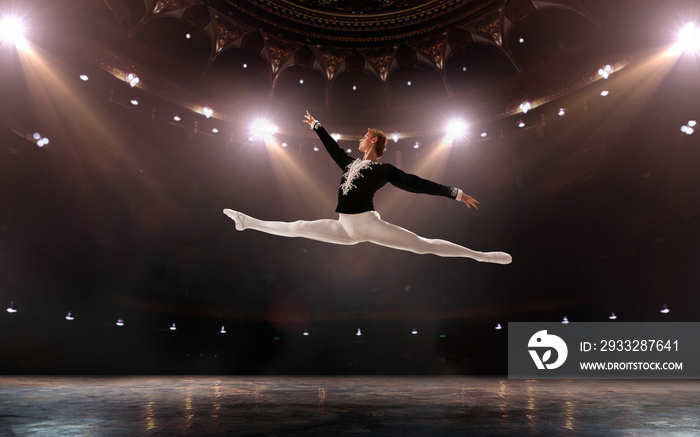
point(354, 172)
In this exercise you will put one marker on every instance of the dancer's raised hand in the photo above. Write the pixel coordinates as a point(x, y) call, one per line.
point(309, 119)
point(470, 201)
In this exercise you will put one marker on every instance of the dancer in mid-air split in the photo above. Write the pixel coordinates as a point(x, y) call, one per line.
point(358, 221)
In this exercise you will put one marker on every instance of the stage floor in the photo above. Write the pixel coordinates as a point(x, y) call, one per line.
point(342, 406)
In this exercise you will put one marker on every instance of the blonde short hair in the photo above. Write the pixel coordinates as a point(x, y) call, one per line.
point(381, 141)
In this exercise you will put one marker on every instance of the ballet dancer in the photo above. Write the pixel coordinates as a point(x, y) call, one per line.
point(358, 221)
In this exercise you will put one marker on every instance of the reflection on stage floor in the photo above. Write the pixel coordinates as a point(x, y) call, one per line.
point(341, 406)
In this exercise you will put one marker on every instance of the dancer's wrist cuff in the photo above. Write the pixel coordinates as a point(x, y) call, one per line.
point(315, 125)
point(458, 196)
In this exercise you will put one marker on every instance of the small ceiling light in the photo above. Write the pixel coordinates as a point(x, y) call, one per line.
point(562, 112)
point(70, 317)
point(359, 332)
point(395, 137)
point(177, 118)
point(417, 145)
point(349, 150)
point(604, 93)
point(565, 321)
point(207, 111)
point(42, 142)
point(215, 130)
point(188, 36)
point(612, 316)
point(306, 333)
point(301, 81)
point(36, 136)
point(484, 135)
point(284, 144)
point(464, 68)
point(521, 123)
point(414, 331)
point(120, 322)
point(84, 77)
point(132, 79)
point(525, 106)
point(134, 102)
point(245, 65)
point(11, 309)
point(521, 40)
point(173, 327)
point(498, 326)
point(687, 130)
point(354, 88)
point(665, 310)
point(315, 148)
point(408, 83)
point(223, 330)
point(692, 123)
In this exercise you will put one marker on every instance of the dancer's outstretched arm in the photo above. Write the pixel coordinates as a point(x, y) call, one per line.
point(337, 153)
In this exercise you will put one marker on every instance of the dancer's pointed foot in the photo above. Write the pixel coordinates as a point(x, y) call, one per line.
point(497, 258)
point(237, 217)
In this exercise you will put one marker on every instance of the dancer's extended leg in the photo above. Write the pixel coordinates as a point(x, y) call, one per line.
point(329, 231)
point(386, 234)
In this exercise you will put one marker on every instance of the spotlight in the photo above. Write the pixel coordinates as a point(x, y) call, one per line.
point(565, 321)
point(173, 327)
point(688, 39)
point(177, 118)
point(665, 310)
point(498, 326)
point(409, 83)
point(306, 333)
point(188, 36)
point(132, 79)
point(223, 330)
point(263, 129)
point(207, 111)
point(70, 317)
point(688, 128)
point(525, 106)
point(456, 129)
point(692, 123)
point(521, 40)
point(604, 93)
point(484, 135)
point(134, 102)
point(562, 112)
point(395, 137)
point(12, 31)
point(120, 322)
point(316, 149)
point(11, 309)
point(414, 331)
point(417, 145)
point(605, 71)
point(301, 81)
point(521, 123)
point(284, 144)
point(245, 65)
point(84, 77)
point(359, 332)
point(349, 150)
point(354, 88)
point(612, 316)
point(215, 130)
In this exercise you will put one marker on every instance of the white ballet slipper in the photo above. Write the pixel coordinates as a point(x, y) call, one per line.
point(237, 217)
point(497, 258)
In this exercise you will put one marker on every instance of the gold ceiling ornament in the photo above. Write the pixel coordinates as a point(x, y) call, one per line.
point(380, 60)
point(491, 26)
point(433, 49)
point(225, 34)
point(164, 6)
point(332, 60)
point(279, 52)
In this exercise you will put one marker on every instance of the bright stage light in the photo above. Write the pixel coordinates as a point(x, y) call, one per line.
point(359, 332)
point(11, 309)
point(173, 327)
point(207, 111)
point(414, 331)
point(132, 79)
point(70, 317)
point(120, 322)
point(263, 129)
point(565, 321)
point(12, 31)
point(223, 330)
point(688, 39)
point(665, 310)
point(456, 129)
point(525, 106)
point(612, 316)
point(498, 326)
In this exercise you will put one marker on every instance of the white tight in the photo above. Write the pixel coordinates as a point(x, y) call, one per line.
point(367, 226)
